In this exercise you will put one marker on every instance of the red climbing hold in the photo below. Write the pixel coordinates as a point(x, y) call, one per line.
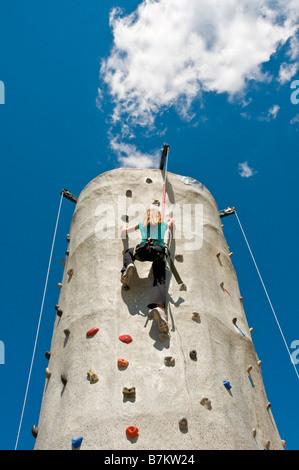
point(92, 332)
point(132, 432)
point(126, 338)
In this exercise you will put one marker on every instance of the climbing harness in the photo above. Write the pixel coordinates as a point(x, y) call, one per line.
point(266, 292)
point(39, 321)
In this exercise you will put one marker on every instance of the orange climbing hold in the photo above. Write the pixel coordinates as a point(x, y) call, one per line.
point(122, 362)
point(132, 432)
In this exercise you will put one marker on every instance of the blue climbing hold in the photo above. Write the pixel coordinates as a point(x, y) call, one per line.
point(76, 443)
point(227, 384)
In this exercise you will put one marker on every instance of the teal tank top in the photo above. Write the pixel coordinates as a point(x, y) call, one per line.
point(156, 232)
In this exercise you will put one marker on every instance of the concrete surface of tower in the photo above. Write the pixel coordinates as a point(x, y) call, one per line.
point(199, 387)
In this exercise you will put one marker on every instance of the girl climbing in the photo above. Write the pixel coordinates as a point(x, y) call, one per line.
point(152, 248)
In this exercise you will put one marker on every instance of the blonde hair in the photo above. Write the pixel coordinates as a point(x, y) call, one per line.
point(151, 217)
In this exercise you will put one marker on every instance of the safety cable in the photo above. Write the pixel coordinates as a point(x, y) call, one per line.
point(39, 322)
point(266, 292)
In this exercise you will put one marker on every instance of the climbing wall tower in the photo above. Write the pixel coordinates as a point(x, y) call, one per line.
point(201, 386)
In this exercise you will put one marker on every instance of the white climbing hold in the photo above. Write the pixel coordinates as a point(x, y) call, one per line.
point(268, 406)
point(253, 432)
point(59, 285)
point(47, 373)
point(249, 368)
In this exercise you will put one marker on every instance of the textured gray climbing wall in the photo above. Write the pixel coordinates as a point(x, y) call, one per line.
point(201, 386)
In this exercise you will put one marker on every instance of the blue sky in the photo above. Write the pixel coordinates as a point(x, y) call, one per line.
point(85, 91)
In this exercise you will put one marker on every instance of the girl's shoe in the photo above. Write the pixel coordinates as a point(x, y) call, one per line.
point(127, 274)
point(161, 317)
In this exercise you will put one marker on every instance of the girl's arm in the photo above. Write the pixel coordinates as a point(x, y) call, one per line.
point(125, 229)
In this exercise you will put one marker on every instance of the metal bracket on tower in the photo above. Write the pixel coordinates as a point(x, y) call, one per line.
point(227, 211)
point(66, 193)
point(165, 151)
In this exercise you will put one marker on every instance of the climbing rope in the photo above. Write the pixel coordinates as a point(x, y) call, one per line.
point(39, 322)
point(266, 292)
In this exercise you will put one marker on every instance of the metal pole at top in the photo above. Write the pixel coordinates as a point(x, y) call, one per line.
point(164, 158)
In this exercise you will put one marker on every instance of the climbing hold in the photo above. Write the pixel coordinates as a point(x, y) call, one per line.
point(250, 330)
point(63, 378)
point(34, 431)
point(126, 338)
point(196, 316)
point(267, 445)
point(93, 377)
point(193, 355)
point(249, 368)
point(66, 331)
point(218, 254)
point(76, 443)
point(234, 320)
point(48, 355)
point(230, 255)
point(251, 381)
point(59, 285)
point(63, 262)
point(129, 193)
point(67, 252)
point(268, 406)
point(132, 432)
point(183, 287)
point(129, 392)
point(169, 361)
point(156, 203)
point(227, 384)
point(70, 272)
point(259, 363)
point(241, 299)
point(222, 285)
point(148, 181)
point(283, 443)
point(68, 238)
point(183, 424)
point(204, 401)
point(253, 432)
point(122, 362)
point(58, 310)
point(179, 258)
point(92, 332)
point(47, 373)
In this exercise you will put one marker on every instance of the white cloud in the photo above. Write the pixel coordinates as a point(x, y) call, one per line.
point(168, 52)
point(271, 114)
point(129, 156)
point(295, 119)
point(245, 171)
